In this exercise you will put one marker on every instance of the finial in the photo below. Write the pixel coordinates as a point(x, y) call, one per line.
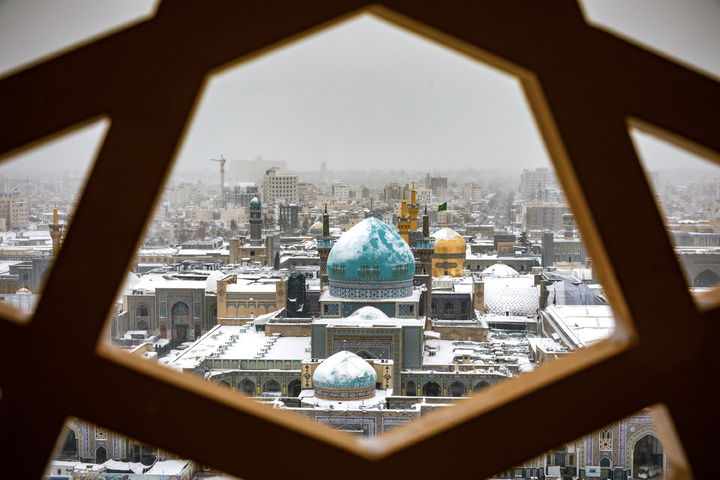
point(326, 208)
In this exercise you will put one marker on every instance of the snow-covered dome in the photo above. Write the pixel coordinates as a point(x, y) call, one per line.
point(500, 270)
point(212, 279)
point(316, 229)
point(255, 202)
point(448, 241)
point(371, 261)
point(368, 313)
point(23, 291)
point(344, 376)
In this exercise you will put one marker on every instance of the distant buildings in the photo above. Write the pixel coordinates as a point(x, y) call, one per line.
point(279, 188)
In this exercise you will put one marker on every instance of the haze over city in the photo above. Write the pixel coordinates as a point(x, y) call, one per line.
point(361, 230)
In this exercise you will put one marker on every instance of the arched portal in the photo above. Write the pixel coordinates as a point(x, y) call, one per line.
point(180, 318)
point(706, 278)
point(431, 389)
point(69, 451)
point(100, 455)
point(271, 386)
point(224, 383)
point(481, 385)
point(248, 387)
point(365, 354)
point(648, 452)
point(294, 388)
point(411, 389)
point(457, 389)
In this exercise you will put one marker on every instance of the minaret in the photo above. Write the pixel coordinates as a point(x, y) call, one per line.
point(56, 231)
point(403, 222)
point(324, 245)
point(255, 222)
point(413, 209)
point(424, 248)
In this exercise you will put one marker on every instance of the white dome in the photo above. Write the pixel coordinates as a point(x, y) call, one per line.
point(344, 376)
point(500, 270)
point(211, 282)
point(368, 313)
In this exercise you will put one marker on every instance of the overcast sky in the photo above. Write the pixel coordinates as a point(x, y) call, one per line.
point(362, 94)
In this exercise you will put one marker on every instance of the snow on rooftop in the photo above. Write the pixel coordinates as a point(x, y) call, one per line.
point(168, 467)
point(589, 323)
point(240, 343)
point(517, 295)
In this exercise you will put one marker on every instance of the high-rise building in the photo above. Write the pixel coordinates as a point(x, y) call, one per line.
point(14, 209)
point(538, 184)
point(279, 188)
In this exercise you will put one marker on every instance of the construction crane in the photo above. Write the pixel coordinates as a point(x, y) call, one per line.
point(222, 179)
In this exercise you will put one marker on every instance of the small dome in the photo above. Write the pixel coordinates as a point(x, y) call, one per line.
point(344, 376)
point(500, 270)
point(368, 313)
point(371, 260)
point(449, 241)
point(316, 229)
point(23, 291)
point(255, 202)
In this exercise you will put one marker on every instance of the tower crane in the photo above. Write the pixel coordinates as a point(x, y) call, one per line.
point(222, 179)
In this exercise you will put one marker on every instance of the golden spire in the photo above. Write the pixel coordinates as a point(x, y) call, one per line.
point(403, 209)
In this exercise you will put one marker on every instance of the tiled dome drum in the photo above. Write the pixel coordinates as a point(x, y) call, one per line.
point(344, 376)
point(371, 261)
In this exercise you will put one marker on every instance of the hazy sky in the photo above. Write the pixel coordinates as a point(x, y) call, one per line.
point(362, 94)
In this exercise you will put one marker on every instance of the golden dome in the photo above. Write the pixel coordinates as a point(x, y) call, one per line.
point(448, 241)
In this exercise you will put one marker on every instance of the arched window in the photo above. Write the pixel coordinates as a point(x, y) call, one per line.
point(463, 308)
point(481, 385)
point(224, 383)
point(142, 325)
point(433, 308)
point(606, 440)
point(142, 311)
point(449, 309)
point(180, 308)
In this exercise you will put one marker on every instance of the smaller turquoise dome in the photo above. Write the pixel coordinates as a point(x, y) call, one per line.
point(344, 376)
point(255, 202)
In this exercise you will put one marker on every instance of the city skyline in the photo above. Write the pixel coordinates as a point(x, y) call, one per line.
point(361, 93)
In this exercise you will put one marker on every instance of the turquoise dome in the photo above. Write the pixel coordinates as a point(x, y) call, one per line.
point(370, 261)
point(344, 376)
point(255, 202)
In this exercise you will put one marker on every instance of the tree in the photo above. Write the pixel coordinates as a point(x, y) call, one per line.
point(305, 225)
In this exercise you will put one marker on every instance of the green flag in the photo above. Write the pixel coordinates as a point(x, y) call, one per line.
point(443, 207)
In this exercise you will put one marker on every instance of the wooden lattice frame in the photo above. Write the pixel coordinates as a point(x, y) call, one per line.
point(585, 86)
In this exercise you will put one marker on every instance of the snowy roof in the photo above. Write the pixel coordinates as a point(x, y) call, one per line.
point(517, 295)
point(587, 323)
point(241, 342)
point(168, 467)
